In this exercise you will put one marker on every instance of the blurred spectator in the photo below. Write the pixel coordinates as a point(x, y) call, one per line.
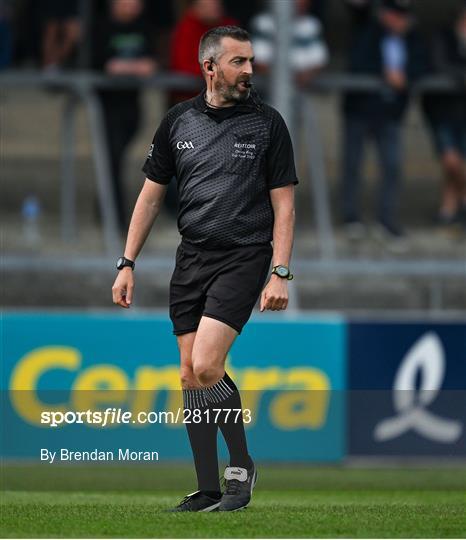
point(202, 15)
point(308, 53)
point(5, 34)
point(160, 19)
point(60, 34)
point(446, 113)
point(386, 46)
point(122, 49)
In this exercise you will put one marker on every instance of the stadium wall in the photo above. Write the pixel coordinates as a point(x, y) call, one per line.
point(316, 389)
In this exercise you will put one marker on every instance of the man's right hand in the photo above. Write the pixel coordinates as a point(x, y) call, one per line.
point(122, 290)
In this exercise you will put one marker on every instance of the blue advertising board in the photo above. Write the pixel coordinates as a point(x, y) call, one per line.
point(407, 384)
point(291, 375)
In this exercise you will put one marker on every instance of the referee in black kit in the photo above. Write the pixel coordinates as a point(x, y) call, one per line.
point(233, 160)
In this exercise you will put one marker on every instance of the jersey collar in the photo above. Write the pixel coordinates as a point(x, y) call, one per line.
point(252, 104)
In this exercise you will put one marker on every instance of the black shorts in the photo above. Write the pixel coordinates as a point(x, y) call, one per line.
point(449, 136)
point(221, 284)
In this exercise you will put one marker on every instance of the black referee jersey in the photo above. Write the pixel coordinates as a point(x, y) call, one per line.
point(225, 162)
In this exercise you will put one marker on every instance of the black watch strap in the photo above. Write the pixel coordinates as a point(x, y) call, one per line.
point(123, 262)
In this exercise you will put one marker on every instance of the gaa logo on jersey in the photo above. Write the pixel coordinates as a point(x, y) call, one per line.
point(181, 145)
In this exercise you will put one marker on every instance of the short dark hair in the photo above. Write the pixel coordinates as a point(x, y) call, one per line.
point(210, 41)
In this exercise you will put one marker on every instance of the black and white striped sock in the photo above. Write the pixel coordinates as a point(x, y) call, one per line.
point(194, 399)
point(203, 440)
point(220, 391)
point(225, 395)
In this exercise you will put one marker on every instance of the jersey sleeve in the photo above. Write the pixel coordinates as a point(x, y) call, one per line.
point(159, 165)
point(280, 159)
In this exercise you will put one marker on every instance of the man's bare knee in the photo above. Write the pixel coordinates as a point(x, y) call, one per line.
point(207, 374)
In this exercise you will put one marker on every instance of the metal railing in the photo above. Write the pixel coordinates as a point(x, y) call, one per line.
point(82, 85)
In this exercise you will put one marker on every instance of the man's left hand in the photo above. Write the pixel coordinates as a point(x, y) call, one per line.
point(275, 294)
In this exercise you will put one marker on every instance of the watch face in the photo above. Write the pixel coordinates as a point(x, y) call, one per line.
point(282, 271)
point(120, 263)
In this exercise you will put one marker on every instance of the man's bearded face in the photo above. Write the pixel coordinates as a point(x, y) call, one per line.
point(234, 90)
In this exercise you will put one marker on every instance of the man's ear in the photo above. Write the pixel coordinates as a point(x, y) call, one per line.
point(209, 66)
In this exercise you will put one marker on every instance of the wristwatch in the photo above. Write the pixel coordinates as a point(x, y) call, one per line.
point(282, 272)
point(123, 261)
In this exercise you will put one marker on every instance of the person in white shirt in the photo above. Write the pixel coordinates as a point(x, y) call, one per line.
point(309, 52)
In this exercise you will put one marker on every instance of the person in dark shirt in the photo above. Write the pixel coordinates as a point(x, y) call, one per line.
point(233, 161)
point(123, 48)
point(386, 46)
point(446, 113)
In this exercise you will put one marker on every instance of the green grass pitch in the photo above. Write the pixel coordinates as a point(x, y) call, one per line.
point(295, 502)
